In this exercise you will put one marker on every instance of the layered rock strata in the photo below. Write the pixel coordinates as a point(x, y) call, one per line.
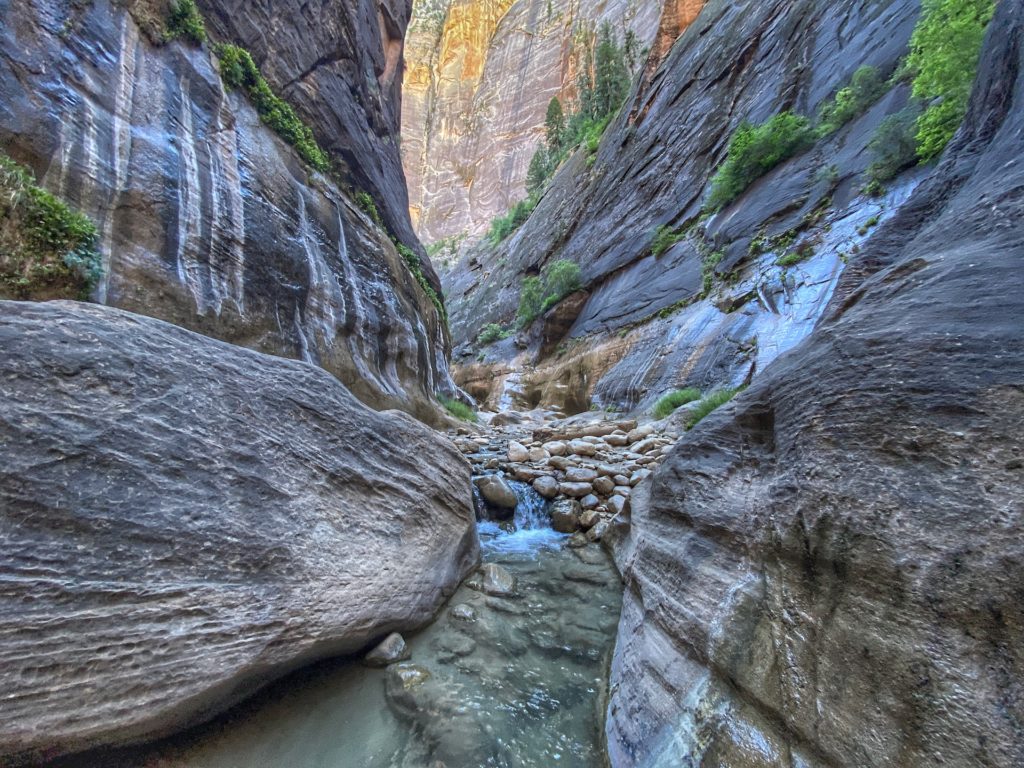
point(479, 79)
point(828, 572)
point(184, 520)
point(206, 218)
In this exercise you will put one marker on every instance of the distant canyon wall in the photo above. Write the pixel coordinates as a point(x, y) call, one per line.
point(479, 76)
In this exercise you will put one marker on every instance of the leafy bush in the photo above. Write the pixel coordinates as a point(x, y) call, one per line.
point(673, 400)
point(238, 70)
point(365, 201)
point(944, 52)
point(894, 144)
point(539, 294)
point(413, 262)
point(865, 88)
point(458, 409)
point(709, 403)
point(47, 250)
point(503, 226)
point(756, 149)
point(491, 333)
point(707, 270)
point(664, 238)
point(185, 21)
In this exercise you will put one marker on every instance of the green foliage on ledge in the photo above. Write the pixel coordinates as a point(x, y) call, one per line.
point(865, 88)
point(710, 403)
point(458, 409)
point(539, 294)
point(673, 400)
point(413, 262)
point(491, 333)
point(239, 71)
point(47, 250)
point(185, 21)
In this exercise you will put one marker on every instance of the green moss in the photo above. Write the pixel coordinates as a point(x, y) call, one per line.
point(458, 409)
point(753, 151)
point(184, 21)
point(664, 238)
point(709, 403)
point(673, 400)
point(239, 71)
point(47, 250)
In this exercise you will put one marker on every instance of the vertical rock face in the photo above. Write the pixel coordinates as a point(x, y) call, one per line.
point(479, 79)
point(715, 306)
point(207, 219)
point(183, 520)
point(829, 572)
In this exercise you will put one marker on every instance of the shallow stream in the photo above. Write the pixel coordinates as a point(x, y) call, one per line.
point(519, 686)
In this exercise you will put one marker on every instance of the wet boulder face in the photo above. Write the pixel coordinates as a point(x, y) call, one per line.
point(206, 218)
point(829, 572)
point(184, 520)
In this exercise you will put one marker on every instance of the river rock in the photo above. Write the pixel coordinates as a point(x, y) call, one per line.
point(598, 531)
point(391, 649)
point(618, 505)
point(497, 492)
point(405, 677)
point(589, 517)
point(556, 448)
point(577, 540)
point(590, 501)
point(617, 440)
point(582, 448)
point(517, 452)
point(463, 612)
point(638, 434)
point(497, 581)
point(538, 454)
point(576, 490)
point(210, 524)
point(546, 486)
point(639, 476)
point(565, 515)
point(603, 485)
point(580, 475)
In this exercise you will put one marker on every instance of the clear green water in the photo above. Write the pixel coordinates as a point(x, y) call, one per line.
point(520, 687)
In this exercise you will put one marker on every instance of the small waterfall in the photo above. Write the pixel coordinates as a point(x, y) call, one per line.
point(532, 509)
point(530, 531)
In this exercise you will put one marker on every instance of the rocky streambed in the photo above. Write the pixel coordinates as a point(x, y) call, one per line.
point(512, 673)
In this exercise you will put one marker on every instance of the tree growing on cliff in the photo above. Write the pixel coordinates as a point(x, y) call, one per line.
point(611, 76)
point(554, 126)
point(538, 172)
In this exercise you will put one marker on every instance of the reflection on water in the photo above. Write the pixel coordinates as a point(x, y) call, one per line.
point(521, 685)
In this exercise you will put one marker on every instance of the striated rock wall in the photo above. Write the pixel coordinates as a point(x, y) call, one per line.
point(829, 571)
point(480, 76)
point(647, 318)
point(207, 219)
point(184, 520)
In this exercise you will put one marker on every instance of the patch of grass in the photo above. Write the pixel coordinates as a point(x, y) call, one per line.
point(944, 52)
point(865, 88)
point(238, 70)
point(458, 409)
point(503, 226)
point(673, 400)
point(185, 22)
point(709, 403)
point(493, 332)
point(802, 253)
point(47, 250)
point(664, 238)
point(753, 151)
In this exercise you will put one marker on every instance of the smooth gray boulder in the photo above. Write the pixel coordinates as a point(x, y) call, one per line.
point(497, 492)
point(390, 650)
point(497, 581)
point(182, 521)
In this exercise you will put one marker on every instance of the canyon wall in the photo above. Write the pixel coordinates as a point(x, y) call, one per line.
point(477, 86)
point(648, 322)
point(829, 571)
point(207, 219)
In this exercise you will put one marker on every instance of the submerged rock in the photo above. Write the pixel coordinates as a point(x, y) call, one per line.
point(206, 521)
point(390, 650)
point(497, 581)
point(565, 515)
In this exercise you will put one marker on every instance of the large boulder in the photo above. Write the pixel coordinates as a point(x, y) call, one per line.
point(830, 573)
point(184, 520)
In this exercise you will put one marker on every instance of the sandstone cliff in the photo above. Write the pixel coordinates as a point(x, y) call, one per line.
point(184, 520)
point(207, 219)
point(479, 79)
point(830, 572)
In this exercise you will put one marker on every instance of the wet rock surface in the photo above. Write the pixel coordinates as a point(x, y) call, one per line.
point(830, 573)
point(206, 218)
point(184, 520)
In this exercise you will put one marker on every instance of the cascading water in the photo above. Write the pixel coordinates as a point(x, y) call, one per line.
point(511, 682)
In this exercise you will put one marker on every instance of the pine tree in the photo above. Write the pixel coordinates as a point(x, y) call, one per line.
point(554, 124)
point(538, 172)
point(611, 77)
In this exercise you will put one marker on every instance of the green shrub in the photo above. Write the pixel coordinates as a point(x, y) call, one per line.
point(413, 262)
point(709, 403)
point(47, 250)
point(894, 144)
point(365, 201)
point(503, 226)
point(561, 278)
point(531, 299)
point(865, 88)
point(185, 21)
point(804, 251)
point(673, 400)
point(491, 333)
point(458, 409)
point(944, 52)
point(707, 270)
point(664, 238)
point(539, 294)
point(753, 151)
point(238, 70)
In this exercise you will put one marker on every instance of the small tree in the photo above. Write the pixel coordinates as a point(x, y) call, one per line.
point(554, 125)
point(561, 278)
point(611, 77)
point(530, 300)
point(538, 172)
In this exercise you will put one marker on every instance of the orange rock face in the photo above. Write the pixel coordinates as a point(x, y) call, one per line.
point(479, 76)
